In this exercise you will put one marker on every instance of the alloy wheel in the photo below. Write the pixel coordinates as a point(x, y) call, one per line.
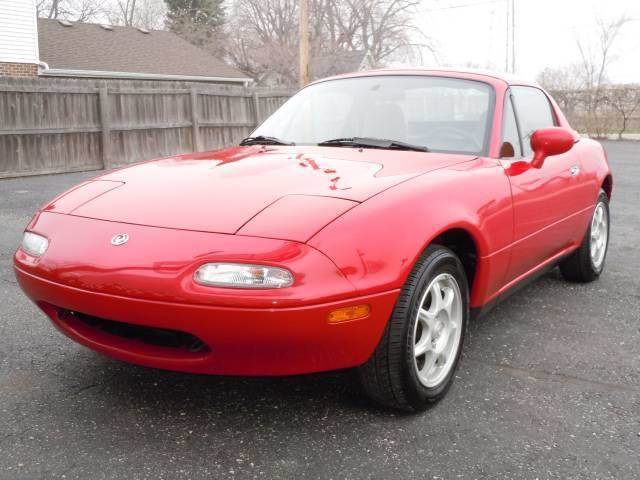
point(599, 235)
point(438, 330)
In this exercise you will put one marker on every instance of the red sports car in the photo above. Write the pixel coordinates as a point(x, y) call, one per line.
point(361, 225)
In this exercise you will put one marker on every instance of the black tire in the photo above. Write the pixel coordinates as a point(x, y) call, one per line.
point(389, 377)
point(579, 266)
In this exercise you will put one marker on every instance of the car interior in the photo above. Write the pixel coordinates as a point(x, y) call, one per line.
point(442, 114)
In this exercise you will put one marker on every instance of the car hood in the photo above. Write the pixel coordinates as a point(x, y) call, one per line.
point(280, 192)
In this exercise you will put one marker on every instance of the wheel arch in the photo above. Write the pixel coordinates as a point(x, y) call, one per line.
point(607, 185)
point(476, 215)
point(464, 245)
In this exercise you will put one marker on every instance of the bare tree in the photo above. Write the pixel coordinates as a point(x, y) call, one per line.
point(566, 84)
point(47, 8)
point(563, 78)
point(380, 27)
point(625, 100)
point(264, 39)
point(263, 34)
point(74, 10)
point(123, 13)
point(595, 59)
point(149, 14)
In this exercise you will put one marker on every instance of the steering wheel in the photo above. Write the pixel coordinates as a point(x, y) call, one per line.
point(448, 131)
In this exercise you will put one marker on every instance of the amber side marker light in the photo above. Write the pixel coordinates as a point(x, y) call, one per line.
point(347, 314)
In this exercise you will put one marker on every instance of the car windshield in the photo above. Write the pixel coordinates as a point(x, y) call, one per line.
point(440, 113)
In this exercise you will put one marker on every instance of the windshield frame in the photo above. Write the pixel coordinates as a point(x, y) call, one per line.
point(486, 146)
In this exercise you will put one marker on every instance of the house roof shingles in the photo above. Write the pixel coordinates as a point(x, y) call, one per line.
point(86, 46)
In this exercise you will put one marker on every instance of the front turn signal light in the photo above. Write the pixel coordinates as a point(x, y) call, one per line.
point(347, 314)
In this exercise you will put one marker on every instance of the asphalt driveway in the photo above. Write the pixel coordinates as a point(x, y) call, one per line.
point(549, 387)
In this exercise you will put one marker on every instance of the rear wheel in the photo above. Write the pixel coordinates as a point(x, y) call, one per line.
point(416, 359)
point(587, 263)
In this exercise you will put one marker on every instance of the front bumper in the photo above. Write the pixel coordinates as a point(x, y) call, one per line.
point(240, 341)
point(149, 282)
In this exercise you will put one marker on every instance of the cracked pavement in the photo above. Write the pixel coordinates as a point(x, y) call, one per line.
point(549, 387)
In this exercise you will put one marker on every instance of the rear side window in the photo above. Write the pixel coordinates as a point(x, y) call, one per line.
point(510, 131)
point(534, 112)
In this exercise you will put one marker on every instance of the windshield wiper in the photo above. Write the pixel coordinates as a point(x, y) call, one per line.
point(368, 142)
point(263, 140)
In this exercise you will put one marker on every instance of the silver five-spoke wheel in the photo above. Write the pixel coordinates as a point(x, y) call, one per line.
point(586, 263)
point(437, 331)
point(599, 235)
point(415, 361)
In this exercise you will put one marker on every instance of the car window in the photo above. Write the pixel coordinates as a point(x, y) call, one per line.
point(446, 117)
point(534, 112)
point(327, 112)
point(510, 132)
point(440, 113)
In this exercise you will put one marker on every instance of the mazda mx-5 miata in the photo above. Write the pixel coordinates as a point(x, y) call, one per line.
point(361, 225)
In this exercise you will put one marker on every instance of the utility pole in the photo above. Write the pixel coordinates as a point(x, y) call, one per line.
point(510, 44)
point(304, 42)
point(506, 45)
point(513, 36)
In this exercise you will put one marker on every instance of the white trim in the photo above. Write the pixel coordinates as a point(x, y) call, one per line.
point(19, 32)
point(23, 62)
point(35, 29)
point(63, 72)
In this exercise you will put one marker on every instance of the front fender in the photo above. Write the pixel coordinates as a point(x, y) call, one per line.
point(377, 243)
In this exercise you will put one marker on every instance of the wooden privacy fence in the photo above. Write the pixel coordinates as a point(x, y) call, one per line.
point(55, 126)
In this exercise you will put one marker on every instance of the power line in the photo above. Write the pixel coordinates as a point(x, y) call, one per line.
point(451, 7)
point(510, 31)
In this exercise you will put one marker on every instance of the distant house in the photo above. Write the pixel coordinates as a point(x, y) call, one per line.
point(57, 48)
point(18, 38)
point(323, 66)
point(69, 49)
point(343, 62)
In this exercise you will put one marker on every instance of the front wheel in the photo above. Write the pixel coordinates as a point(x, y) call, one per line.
point(416, 359)
point(587, 263)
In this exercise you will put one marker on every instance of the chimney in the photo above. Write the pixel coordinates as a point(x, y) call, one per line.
point(18, 38)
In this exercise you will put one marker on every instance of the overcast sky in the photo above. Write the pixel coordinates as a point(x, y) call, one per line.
point(545, 33)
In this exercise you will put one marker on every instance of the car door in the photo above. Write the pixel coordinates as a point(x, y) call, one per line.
point(545, 204)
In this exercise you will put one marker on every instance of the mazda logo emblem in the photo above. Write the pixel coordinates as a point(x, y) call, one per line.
point(120, 239)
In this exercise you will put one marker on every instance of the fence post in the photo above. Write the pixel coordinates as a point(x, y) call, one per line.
point(106, 128)
point(195, 121)
point(256, 108)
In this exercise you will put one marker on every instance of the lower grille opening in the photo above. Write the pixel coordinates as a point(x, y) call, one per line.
point(159, 337)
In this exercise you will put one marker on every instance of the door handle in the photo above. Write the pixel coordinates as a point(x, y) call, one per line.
point(574, 171)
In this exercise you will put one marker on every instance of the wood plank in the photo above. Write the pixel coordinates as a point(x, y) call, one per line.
point(106, 132)
point(54, 125)
point(7, 88)
point(227, 124)
point(195, 121)
point(150, 126)
point(49, 131)
point(149, 91)
point(257, 116)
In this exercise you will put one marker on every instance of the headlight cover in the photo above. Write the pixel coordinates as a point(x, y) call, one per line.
point(241, 275)
point(34, 244)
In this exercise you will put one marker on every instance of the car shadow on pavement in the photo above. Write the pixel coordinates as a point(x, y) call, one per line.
point(121, 386)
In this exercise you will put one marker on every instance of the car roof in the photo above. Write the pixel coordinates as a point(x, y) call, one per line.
point(487, 76)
